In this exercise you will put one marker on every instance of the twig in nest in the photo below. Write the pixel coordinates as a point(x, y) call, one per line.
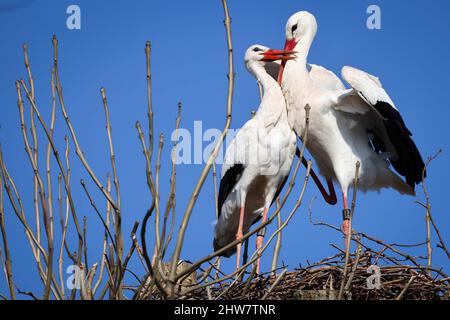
point(274, 284)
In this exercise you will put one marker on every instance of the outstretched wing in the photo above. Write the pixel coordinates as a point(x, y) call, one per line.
point(325, 77)
point(385, 125)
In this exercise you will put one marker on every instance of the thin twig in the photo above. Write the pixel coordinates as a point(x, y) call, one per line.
point(277, 280)
point(117, 210)
point(429, 217)
point(355, 266)
point(212, 157)
point(349, 236)
point(78, 150)
point(105, 238)
point(8, 267)
point(83, 184)
point(171, 199)
point(34, 146)
point(400, 296)
point(148, 51)
point(19, 212)
point(158, 239)
point(55, 153)
point(277, 248)
point(145, 254)
point(37, 176)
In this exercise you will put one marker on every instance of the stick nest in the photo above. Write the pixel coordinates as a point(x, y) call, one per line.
point(323, 280)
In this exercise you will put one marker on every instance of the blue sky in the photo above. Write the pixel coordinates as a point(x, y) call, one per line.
point(189, 64)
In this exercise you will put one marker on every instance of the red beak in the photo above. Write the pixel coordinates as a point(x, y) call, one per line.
point(289, 45)
point(275, 55)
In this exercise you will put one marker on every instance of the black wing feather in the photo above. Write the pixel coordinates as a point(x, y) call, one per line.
point(227, 183)
point(409, 162)
point(229, 180)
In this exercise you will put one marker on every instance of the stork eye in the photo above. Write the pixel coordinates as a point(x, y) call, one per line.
point(294, 28)
point(256, 49)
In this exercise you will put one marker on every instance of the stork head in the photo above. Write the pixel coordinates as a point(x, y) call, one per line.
point(301, 29)
point(300, 26)
point(263, 55)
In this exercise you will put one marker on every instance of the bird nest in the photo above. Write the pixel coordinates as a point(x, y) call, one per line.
point(374, 270)
point(364, 278)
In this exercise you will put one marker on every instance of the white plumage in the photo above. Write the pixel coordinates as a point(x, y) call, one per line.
point(258, 160)
point(347, 125)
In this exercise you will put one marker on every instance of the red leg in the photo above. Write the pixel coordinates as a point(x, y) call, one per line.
point(330, 196)
point(346, 217)
point(260, 240)
point(344, 197)
point(239, 235)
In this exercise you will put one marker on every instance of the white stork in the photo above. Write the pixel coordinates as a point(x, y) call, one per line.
point(258, 160)
point(347, 125)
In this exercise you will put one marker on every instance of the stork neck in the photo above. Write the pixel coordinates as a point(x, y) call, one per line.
point(272, 104)
point(262, 76)
point(303, 46)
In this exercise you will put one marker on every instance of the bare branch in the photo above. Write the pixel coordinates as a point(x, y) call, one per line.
point(282, 274)
point(212, 157)
point(349, 237)
point(55, 153)
point(171, 200)
point(429, 217)
point(33, 161)
point(9, 275)
point(118, 217)
point(78, 150)
point(148, 51)
point(158, 239)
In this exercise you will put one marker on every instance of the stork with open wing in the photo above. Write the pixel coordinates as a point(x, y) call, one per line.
point(360, 124)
